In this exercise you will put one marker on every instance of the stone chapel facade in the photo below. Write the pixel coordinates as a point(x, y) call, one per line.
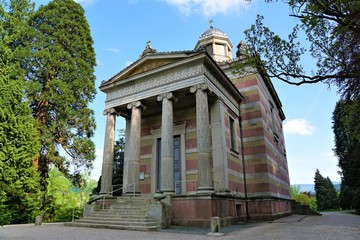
point(210, 140)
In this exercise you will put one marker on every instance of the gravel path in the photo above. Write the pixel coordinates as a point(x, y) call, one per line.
point(332, 225)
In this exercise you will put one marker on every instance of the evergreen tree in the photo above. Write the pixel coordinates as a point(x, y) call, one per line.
point(326, 197)
point(19, 138)
point(118, 164)
point(333, 199)
point(61, 83)
point(346, 129)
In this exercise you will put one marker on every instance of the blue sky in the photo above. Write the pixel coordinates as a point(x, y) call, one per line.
point(120, 29)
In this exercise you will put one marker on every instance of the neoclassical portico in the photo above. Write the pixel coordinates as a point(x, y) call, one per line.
point(186, 136)
point(164, 84)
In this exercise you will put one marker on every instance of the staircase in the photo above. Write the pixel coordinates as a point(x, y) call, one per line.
point(128, 213)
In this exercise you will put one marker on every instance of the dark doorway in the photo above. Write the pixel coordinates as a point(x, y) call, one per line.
point(177, 164)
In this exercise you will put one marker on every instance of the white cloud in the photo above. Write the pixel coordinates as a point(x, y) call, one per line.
point(209, 7)
point(298, 126)
point(85, 2)
point(113, 50)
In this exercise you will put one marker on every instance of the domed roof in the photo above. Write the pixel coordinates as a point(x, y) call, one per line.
point(212, 31)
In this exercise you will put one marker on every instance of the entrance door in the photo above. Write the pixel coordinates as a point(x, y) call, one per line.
point(177, 164)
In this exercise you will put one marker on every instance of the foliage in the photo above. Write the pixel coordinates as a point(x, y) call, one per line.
point(118, 163)
point(60, 77)
point(356, 201)
point(346, 129)
point(333, 30)
point(312, 203)
point(326, 196)
point(294, 191)
point(63, 197)
point(19, 139)
point(302, 198)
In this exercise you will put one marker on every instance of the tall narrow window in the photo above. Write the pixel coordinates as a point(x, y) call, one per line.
point(232, 134)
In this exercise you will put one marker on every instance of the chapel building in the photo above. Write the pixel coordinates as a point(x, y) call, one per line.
point(210, 140)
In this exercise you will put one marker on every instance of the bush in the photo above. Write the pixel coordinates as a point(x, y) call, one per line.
point(302, 198)
point(313, 204)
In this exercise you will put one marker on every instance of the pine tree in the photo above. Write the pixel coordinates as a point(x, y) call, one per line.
point(61, 83)
point(19, 138)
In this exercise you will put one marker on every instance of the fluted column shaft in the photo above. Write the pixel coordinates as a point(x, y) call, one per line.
point(108, 154)
point(133, 167)
point(203, 139)
point(167, 146)
point(126, 151)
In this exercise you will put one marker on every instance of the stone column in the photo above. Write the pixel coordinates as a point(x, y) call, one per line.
point(108, 155)
point(205, 184)
point(167, 145)
point(134, 148)
point(126, 151)
point(218, 142)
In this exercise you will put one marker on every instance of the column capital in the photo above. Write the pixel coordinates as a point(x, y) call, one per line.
point(110, 111)
point(168, 95)
point(136, 104)
point(201, 86)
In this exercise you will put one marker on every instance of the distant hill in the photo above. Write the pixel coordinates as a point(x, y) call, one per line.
point(310, 187)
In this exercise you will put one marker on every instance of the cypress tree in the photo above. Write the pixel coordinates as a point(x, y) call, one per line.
point(61, 84)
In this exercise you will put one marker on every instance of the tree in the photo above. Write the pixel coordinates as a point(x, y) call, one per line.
point(64, 198)
point(19, 138)
point(294, 191)
point(61, 83)
point(118, 164)
point(333, 31)
point(326, 197)
point(347, 148)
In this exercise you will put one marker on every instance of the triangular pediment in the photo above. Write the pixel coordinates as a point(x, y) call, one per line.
point(149, 63)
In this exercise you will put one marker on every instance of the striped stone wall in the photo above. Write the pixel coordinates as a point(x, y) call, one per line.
point(264, 147)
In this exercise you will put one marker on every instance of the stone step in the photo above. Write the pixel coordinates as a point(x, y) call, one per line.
point(128, 206)
point(125, 222)
point(117, 215)
point(117, 218)
point(120, 227)
point(121, 211)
